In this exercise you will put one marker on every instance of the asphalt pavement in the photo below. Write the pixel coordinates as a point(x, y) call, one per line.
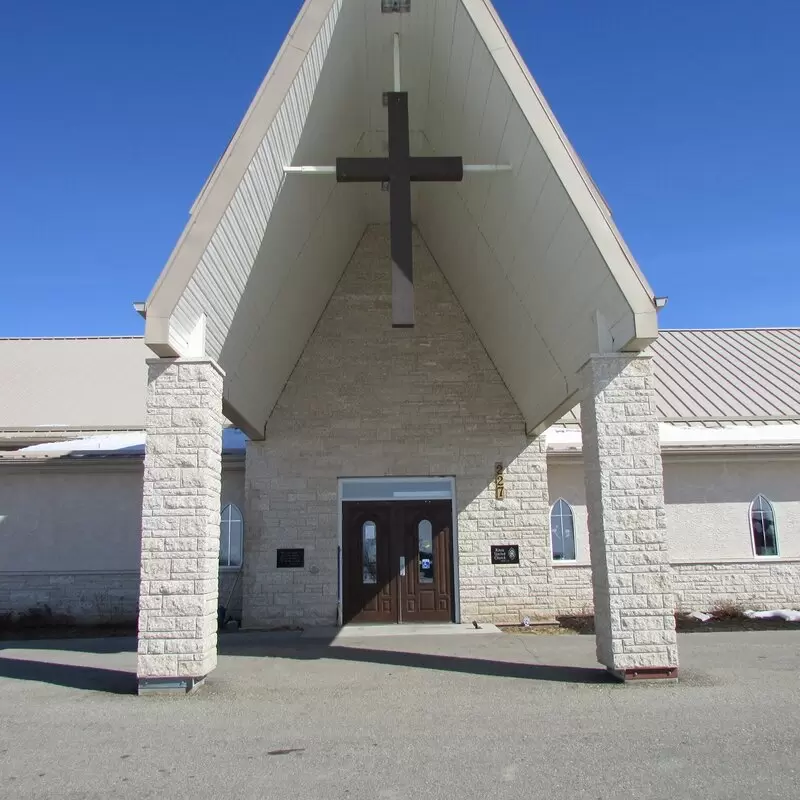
point(426, 716)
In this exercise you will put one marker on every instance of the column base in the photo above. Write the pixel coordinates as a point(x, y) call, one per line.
point(169, 686)
point(661, 674)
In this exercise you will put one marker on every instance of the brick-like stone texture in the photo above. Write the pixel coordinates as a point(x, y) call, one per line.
point(98, 597)
point(572, 589)
point(180, 520)
point(632, 578)
point(369, 400)
point(91, 597)
point(758, 585)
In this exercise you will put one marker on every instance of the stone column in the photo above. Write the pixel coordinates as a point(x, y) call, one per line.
point(631, 574)
point(180, 525)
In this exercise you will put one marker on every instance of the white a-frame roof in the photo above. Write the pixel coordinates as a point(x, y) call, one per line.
point(532, 254)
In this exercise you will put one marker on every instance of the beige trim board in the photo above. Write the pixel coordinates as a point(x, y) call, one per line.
point(217, 193)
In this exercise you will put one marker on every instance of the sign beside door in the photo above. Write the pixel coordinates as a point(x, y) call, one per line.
point(291, 558)
point(505, 554)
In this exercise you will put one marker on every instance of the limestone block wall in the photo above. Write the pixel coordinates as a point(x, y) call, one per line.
point(366, 400)
point(700, 586)
point(89, 598)
point(86, 597)
point(572, 589)
point(759, 585)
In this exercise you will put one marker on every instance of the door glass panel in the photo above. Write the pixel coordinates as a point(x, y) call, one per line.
point(425, 539)
point(370, 552)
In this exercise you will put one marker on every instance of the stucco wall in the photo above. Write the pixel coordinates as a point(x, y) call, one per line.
point(369, 400)
point(63, 518)
point(565, 481)
point(70, 537)
point(707, 504)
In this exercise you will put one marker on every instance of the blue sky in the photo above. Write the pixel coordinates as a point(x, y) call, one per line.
point(113, 114)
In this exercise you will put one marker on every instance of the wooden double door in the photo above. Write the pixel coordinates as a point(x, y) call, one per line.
point(397, 561)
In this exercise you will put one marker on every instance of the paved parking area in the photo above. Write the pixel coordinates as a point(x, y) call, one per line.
point(426, 716)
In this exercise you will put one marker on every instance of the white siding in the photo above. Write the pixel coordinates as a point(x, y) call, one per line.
point(219, 280)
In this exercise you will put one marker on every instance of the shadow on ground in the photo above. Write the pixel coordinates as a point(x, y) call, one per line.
point(100, 679)
point(111, 644)
point(71, 675)
point(309, 650)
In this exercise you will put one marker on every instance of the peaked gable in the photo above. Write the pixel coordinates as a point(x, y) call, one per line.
point(532, 254)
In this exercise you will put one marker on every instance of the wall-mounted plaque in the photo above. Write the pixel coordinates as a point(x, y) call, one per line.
point(505, 554)
point(291, 557)
point(499, 482)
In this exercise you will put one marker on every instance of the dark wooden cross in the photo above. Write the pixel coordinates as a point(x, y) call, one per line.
point(399, 170)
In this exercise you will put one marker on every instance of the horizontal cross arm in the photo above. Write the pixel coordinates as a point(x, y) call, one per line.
point(436, 168)
point(331, 170)
point(362, 170)
point(421, 168)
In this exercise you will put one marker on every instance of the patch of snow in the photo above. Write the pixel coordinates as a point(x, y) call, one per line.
point(129, 442)
point(107, 443)
point(700, 615)
point(786, 614)
point(674, 435)
point(569, 439)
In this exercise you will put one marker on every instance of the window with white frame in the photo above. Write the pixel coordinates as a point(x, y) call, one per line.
point(562, 531)
point(762, 527)
point(231, 536)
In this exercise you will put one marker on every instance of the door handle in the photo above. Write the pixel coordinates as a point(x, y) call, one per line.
point(402, 566)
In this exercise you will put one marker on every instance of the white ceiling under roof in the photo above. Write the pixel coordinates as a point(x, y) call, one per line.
point(532, 254)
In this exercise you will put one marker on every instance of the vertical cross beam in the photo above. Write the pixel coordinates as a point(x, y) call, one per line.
point(400, 211)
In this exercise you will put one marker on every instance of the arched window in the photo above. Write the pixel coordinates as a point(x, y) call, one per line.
point(231, 536)
point(762, 527)
point(562, 531)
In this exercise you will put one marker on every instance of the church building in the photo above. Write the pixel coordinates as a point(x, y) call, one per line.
point(400, 367)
